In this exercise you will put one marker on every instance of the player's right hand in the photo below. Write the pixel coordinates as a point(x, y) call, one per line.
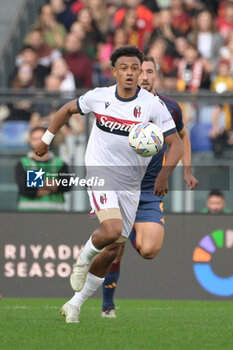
point(41, 149)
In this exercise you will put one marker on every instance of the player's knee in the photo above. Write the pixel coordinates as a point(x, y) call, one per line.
point(113, 232)
point(150, 252)
point(112, 252)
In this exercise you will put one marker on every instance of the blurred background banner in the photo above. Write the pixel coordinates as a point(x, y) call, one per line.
point(37, 252)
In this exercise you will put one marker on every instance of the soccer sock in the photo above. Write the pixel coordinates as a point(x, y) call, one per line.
point(109, 285)
point(89, 251)
point(91, 285)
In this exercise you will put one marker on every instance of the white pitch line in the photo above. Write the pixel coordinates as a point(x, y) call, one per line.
point(25, 307)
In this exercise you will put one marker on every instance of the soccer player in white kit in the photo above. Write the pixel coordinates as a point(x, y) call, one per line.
point(117, 109)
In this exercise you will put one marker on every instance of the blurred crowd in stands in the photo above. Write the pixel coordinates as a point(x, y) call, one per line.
point(69, 46)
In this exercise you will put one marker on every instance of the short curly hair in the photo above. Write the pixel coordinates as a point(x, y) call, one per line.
point(128, 51)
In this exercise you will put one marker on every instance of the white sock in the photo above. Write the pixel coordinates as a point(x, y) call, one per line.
point(91, 285)
point(89, 251)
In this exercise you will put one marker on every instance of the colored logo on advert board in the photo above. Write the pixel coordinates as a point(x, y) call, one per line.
point(203, 255)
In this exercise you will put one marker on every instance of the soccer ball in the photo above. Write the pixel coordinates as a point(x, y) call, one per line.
point(146, 139)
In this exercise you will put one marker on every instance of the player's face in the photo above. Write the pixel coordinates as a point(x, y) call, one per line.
point(215, 204)
point(35, 138)
point(126, 72)
point(148, 76)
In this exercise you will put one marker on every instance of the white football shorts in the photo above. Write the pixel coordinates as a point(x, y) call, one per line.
point(125, 201)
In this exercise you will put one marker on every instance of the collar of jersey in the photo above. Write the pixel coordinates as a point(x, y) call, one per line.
point(127, 99)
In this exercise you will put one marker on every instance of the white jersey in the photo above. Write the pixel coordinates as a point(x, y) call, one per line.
point(108, 145)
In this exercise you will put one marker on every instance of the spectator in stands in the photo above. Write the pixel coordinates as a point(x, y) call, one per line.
point(46, 55)
point(93, 36)
point(226, 52)
point(99, 12)
point(224, 80)
point(77, 6)
point(54, 33)
point(49, 197)
point(190, 70)
point(164, 30)
point(78, 29)
point(30, 56)
point(144, 15)
point(62, 13)
point(194, 6)
point(157, 49)
point(211, 5)
point(215, 203)
point(153, 5)
point(79, 64)
point(181, 45)
point(207, 40)
point(225, 23)
point(181, 20)
point(104, 73)
point(221, 132)
point(43, 112)
point(24, 77)
point(160, 4)
point(134, 34)
point(61, 70)
point(169, 81)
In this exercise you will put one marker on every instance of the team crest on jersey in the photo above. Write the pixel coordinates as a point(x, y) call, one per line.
point(103, 198)
point(137, 111)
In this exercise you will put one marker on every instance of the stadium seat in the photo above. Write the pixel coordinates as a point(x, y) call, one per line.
point(199, 137)
point(13, 133)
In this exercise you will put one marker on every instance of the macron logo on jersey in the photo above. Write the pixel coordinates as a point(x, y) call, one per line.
point(114, 125)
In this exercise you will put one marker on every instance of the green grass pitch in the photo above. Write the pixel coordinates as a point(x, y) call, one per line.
point(31, 324)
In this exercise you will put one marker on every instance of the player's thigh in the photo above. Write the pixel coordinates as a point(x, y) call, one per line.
point(128, 203)
point(149, 236)
point(106, 207)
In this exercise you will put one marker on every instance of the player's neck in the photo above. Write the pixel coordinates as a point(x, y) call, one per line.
point(126, 94)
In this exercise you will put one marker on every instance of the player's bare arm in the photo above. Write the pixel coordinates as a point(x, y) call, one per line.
point(61, 117)
point(174, 155)
point(190, 180)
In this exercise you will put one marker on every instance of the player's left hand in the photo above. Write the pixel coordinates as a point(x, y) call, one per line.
point(41, 149)
point(191, 181)
point(161, 186)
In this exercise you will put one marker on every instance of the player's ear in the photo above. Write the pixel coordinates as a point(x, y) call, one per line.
point(114, 71)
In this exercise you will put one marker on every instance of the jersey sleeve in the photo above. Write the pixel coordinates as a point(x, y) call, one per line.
point(162, 118)
point(179, 119)
point(85, 102)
